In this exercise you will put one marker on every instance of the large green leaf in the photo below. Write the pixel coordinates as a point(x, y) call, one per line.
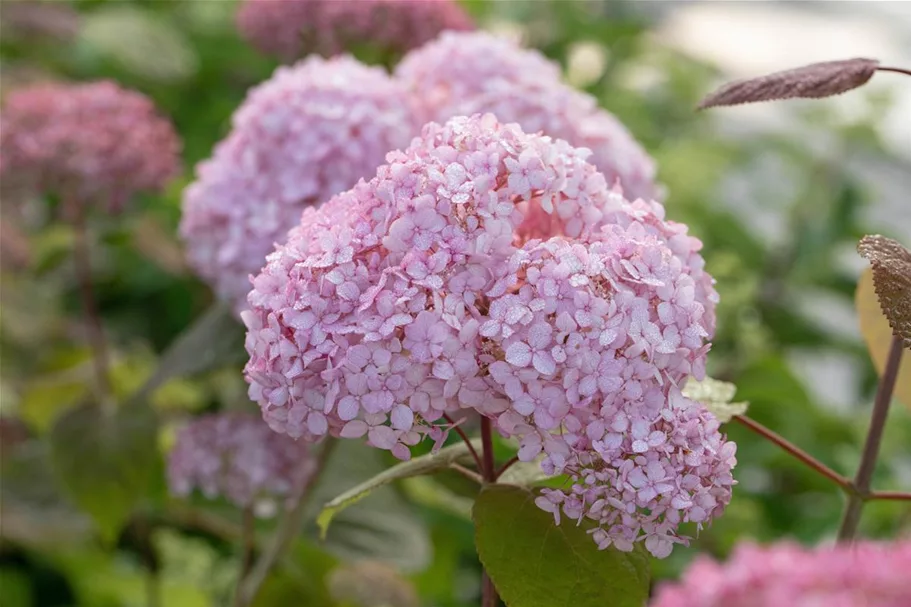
point(35, 514)
point(98, 577)
point(425, 464)
point(215, 338)
point(534, 563)
point(105, 461)
point(381, 525)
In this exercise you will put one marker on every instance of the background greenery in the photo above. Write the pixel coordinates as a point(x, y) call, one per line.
point(410, 543)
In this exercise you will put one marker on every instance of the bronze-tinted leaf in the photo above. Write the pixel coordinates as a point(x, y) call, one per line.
point(891, 264)
point(810, 81)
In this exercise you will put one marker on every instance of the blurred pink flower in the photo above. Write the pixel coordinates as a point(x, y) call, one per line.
point(290, 29)
point(464, 73)
point(309, 132)
point(88, 143)
point(789, 575)
point(236, 456)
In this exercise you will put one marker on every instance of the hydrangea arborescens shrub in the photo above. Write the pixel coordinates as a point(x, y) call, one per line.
point(236, 456)
point(785, 574)
point(490, 270)
point(309, 132)
point(290, 29)
point(92, 143)
point(463, 73)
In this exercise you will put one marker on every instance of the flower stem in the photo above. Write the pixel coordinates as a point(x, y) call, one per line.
point(469, 474)
point(489, 596)
point(900, 496)
point(797, 452)
point(249, 546)
point(82, 258)
point(287, 530)
point(487, 468)
point(514, 459)
point(864, 475)
point(464, 437)
point(153, 589)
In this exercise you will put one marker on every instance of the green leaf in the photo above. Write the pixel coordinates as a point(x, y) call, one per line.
point(716, 396)
point(382, 527)
point(534, 563)
point(105, 461)
point(98, 577)
point(35, 514)
point(425, 464)
point(428, 492)
point(15, 588)
point(215, 338)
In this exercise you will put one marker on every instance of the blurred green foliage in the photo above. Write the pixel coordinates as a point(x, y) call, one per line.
point(187, 56)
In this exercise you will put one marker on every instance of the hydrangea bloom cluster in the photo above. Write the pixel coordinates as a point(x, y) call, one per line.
point(237, 456)
point(306, 134)
point(486, 269)
point(789, 575)
point(463, 73)
point(91, 142)
point(289, 29)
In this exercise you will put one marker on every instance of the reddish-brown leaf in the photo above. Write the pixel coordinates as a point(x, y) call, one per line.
point(810, 81)
point(891, 264)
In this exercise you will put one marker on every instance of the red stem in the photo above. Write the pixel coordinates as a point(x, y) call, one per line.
point(489, 596)
point(507, 465)
point(461, 433)
point(890, 495)
point(82, 258)
point(249, 547)
point(487, 471)
point(854, 507)
point(842, 481)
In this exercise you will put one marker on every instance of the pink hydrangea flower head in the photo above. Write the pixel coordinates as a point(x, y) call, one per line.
point(789, 575)
point(290, 29)
point(306, 134)
point(594, 344)
point(366, 321)
point(88, 143)
point(463, 73)
point(490, 270)
point(237, 456)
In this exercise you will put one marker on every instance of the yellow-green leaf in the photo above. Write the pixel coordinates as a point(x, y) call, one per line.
point(877, 335)
point(716, 396)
